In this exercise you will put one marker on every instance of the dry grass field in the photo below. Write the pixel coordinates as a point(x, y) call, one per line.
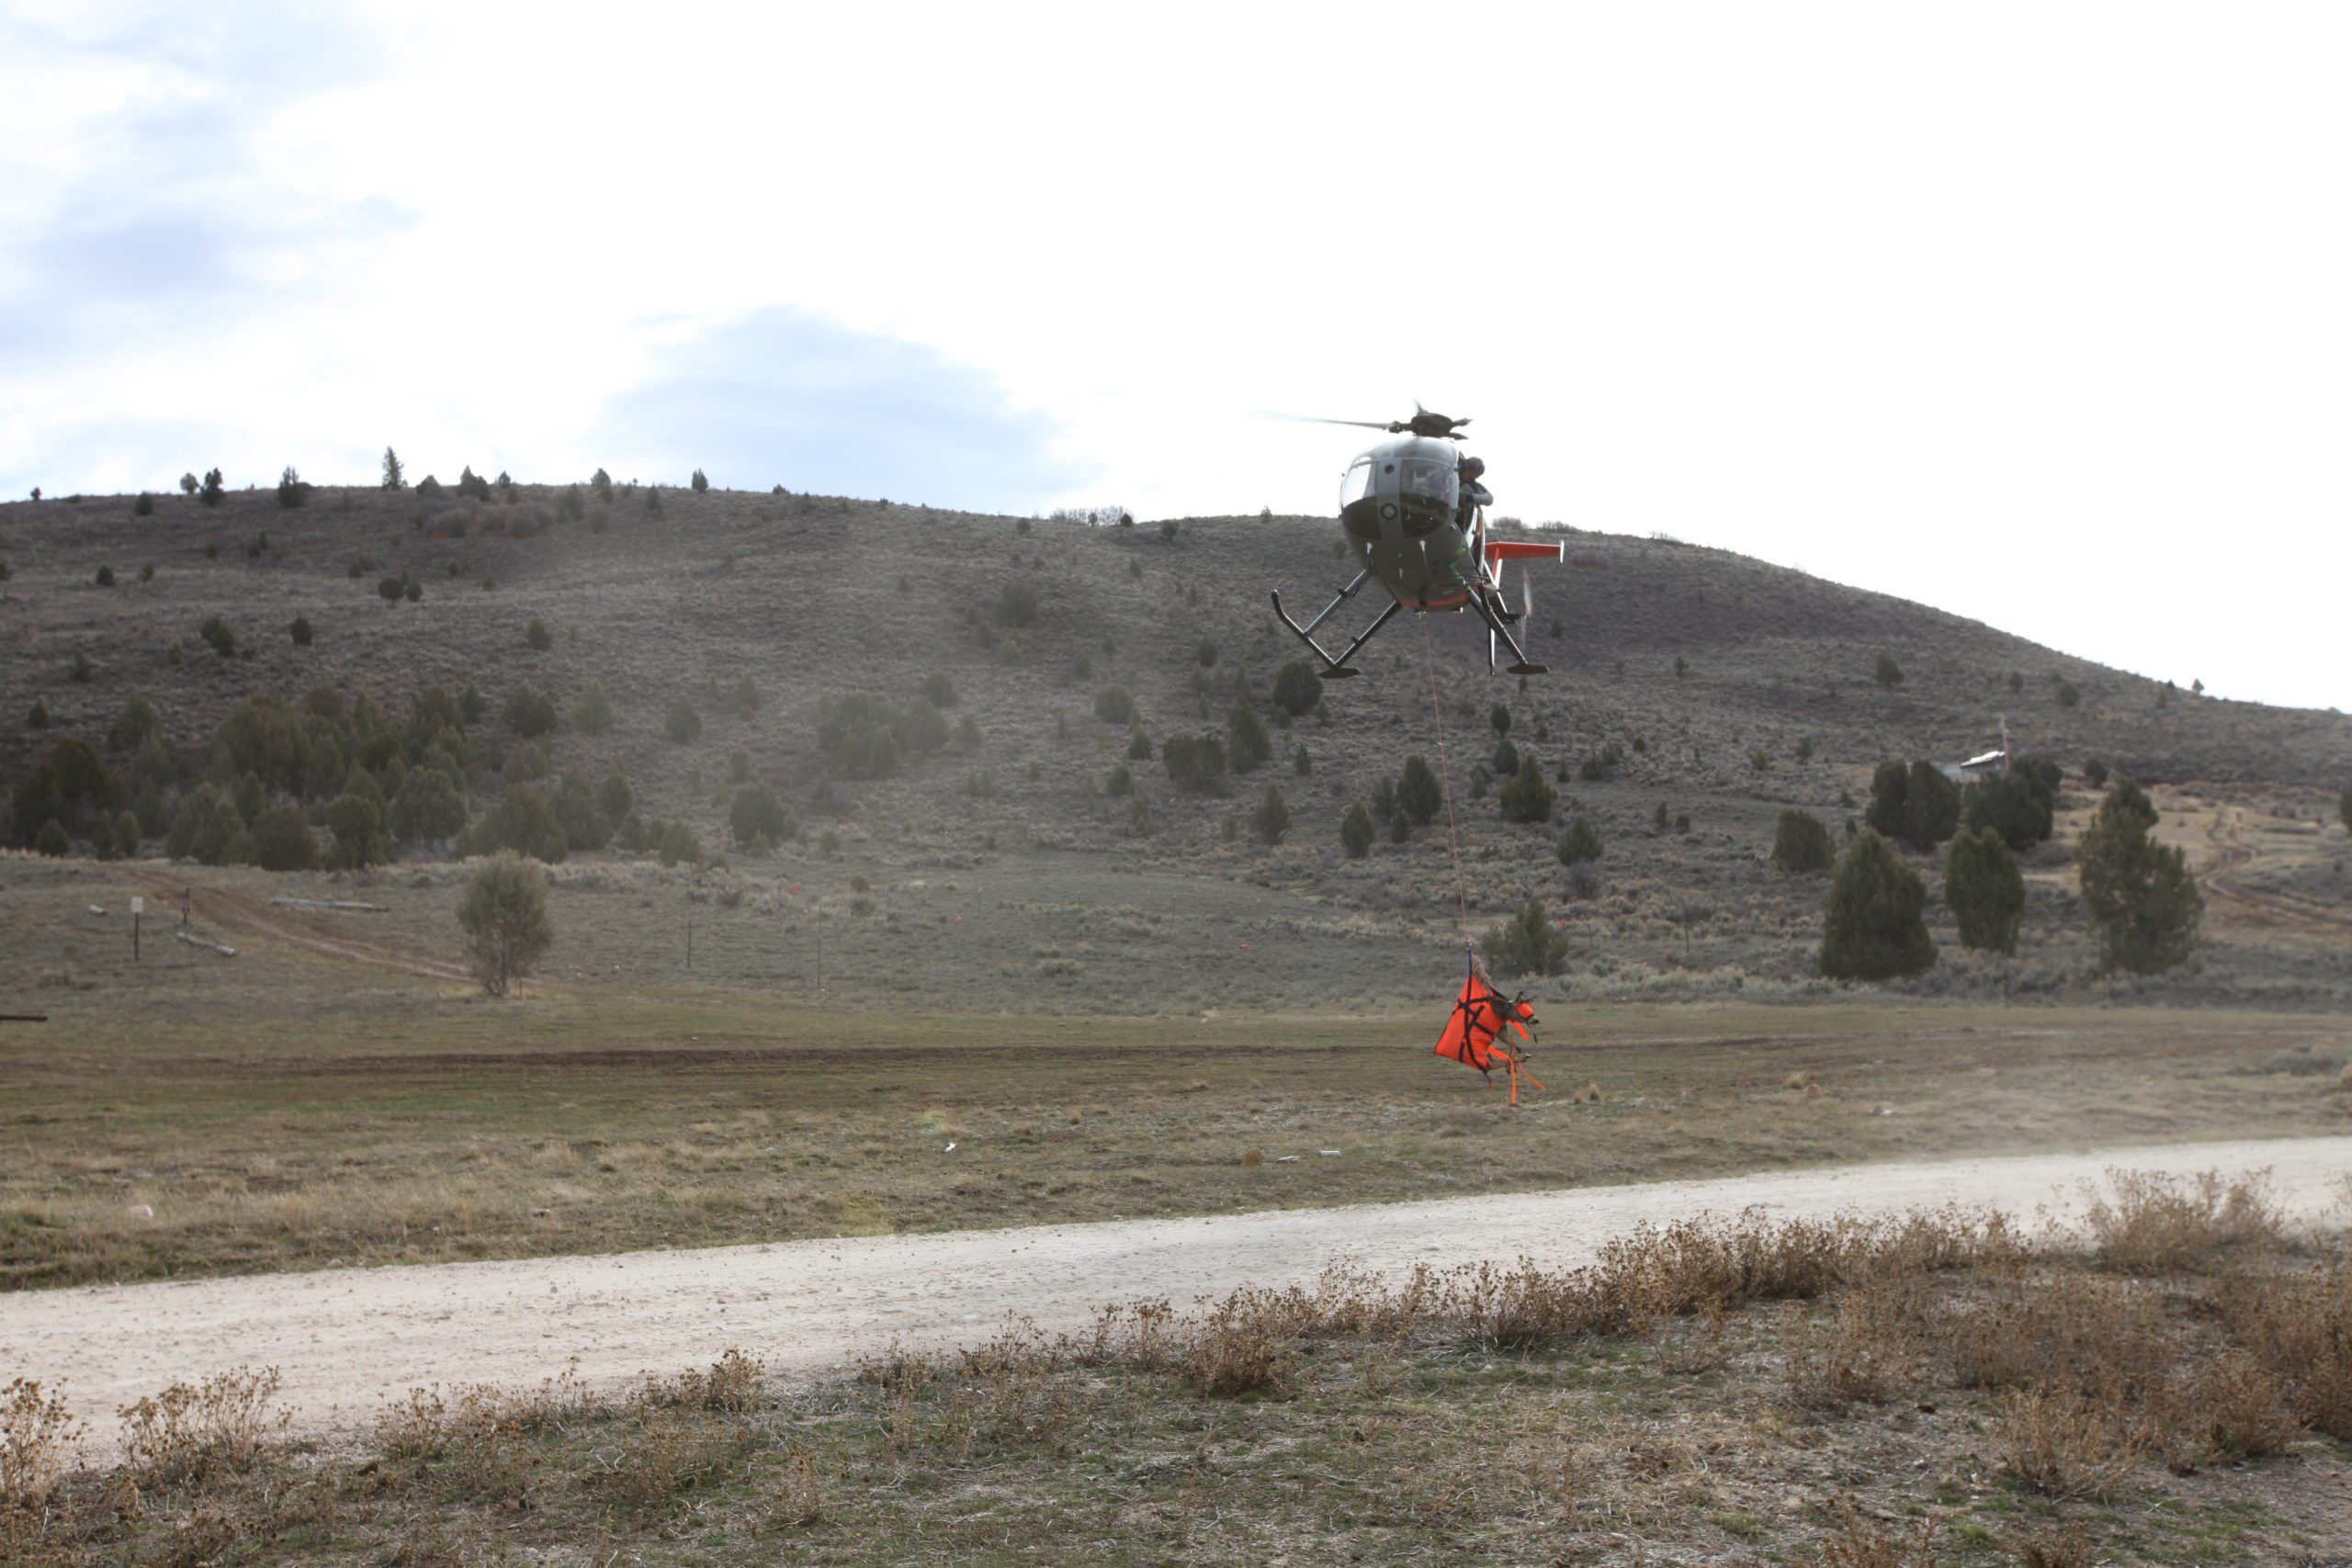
point(1950, 1388)
point(298, 1107)
point(989, 948)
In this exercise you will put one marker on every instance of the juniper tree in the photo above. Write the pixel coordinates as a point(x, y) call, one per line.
point(2139, 892)
point(1195, 764)
point(137, 724)
point(504, 915)
point(1272, 819)
point(530, 714)
point(1296, 690)
point(593, 714)
point(2017, 802)
point(759, 819)
point(524, 822)
point(1418, 794)
point(1579, 842)
point(427, 808)
point(1527, 943)
point(615, 795)
point(1356, 830)
point(1526, 798)
point(1114, 704)
point(1800, 843)
point(358, 823)
point(1246, 735)
point(1874, 928)
point(1916, 805)
point(283, 841)
point(394, 475)
point(1985, 891)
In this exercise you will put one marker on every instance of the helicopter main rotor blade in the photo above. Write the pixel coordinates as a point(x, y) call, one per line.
point(1318, 419)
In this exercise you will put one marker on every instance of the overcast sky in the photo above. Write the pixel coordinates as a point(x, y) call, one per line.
point(2036, 312)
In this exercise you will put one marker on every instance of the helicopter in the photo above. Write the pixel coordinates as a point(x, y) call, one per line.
point(1401, 514)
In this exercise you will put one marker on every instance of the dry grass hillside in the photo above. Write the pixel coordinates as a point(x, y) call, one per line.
point(1001, 870)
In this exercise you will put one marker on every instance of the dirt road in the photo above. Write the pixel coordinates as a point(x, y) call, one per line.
point(2233, 856)
point(344, 1341)
point(251, 918)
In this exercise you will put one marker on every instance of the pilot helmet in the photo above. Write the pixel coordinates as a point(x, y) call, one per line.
point(1473, 467)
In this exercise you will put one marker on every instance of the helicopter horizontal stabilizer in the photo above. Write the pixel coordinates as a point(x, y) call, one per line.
point(1525, 549)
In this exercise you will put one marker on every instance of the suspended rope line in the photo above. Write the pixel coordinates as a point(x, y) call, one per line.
point(1445, 783)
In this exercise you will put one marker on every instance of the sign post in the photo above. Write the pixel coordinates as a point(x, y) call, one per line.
point(138, 907)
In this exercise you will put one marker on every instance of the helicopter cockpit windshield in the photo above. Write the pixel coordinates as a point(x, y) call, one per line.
point(1429, 488)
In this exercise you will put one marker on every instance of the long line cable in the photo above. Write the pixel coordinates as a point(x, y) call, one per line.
point(1445, 783)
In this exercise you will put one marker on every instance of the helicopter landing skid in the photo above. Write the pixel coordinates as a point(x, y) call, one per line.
point(1334, 669)
point(1496, 627)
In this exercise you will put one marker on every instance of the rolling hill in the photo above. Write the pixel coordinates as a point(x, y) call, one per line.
point(1731, 689)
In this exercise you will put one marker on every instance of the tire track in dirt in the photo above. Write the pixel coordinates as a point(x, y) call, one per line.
point(346, 1340)
point(230, 912)
point(2226, 834)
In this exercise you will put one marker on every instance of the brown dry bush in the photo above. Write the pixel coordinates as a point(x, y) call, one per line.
point(2063, 1443)
point(905, 1376)
point(667, 1454)
point(2298, 1328)
point(1138, 1334)
point(1939, 1241)
point(1248, 1342)
point(2229, 1407)
point(1862, 1542)
point(477, 1442)
point(1525, 1306)
point(2155, 1223)
point(221, 1426)
point(38, 1434)
point(795, 1493)
point(2078, 1330)
point(730, 1387)
point(1867, 1352)
point(1013, 1398)
point(2070, 1548)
